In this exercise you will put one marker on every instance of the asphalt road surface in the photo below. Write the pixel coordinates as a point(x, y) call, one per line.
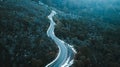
point(65, 57)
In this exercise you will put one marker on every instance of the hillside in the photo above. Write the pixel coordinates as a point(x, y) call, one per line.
point(97, 43)
point(24, 42)
point(23, 39)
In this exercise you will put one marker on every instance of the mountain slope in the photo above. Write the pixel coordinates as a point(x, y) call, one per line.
point(23, 39)
point(97, 44)
point(24, 43)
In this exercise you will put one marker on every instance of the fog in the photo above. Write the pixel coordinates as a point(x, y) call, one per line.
point(108, 10)
point(95, 3)
point(79, 4)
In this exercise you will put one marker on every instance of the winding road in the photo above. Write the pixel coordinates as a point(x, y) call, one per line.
point(65, 57)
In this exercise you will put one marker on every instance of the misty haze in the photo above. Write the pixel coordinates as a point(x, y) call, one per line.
point(59, 33)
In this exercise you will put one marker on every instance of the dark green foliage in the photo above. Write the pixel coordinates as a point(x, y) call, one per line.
point(97, 42)
point(24, 43)
point(23, 39)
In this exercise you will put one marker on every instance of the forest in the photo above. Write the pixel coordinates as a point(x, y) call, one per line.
point(92, 27)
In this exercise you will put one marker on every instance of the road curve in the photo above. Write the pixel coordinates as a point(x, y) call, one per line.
point(66, 52)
